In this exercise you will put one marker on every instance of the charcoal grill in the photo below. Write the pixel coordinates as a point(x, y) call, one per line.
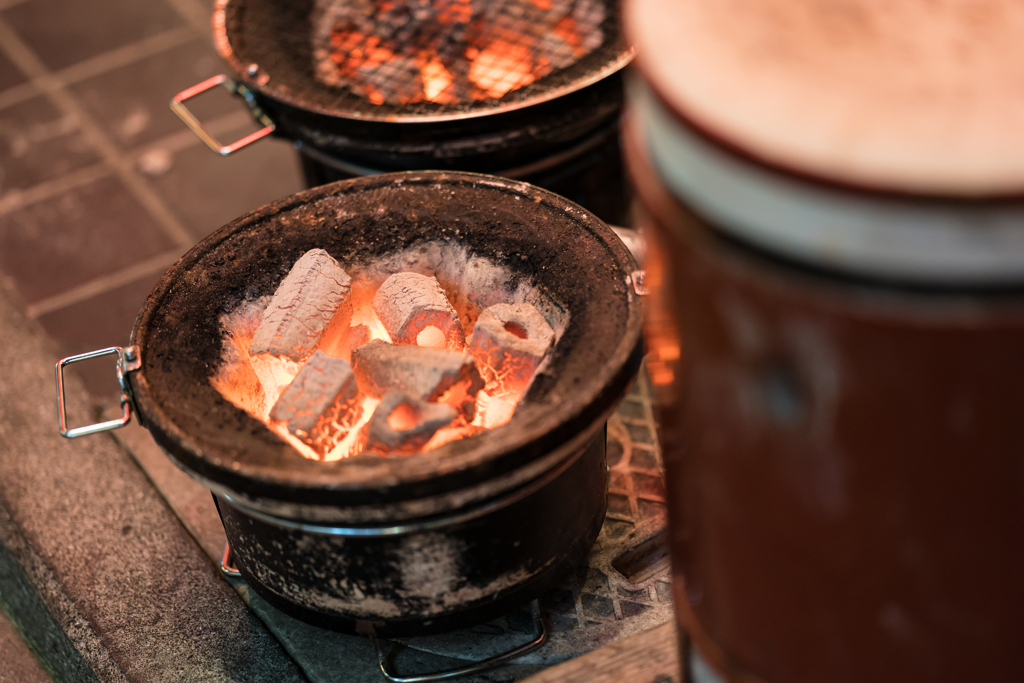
point(433, 541)
point(559, 132)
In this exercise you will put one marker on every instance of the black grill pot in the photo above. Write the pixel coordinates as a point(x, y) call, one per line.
point(559, 132)
point(428, 542)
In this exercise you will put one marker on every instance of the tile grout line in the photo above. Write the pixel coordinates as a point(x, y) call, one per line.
point(17, 94)
point(197, 13)
point(19, 199)
point(16, 199)
point(101, 64)
point(32, 67)
point(124, 56)
point(101, 284)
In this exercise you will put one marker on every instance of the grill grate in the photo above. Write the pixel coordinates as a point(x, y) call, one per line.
point(386, 60)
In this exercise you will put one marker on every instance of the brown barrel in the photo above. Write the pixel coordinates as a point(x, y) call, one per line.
point(837, 335)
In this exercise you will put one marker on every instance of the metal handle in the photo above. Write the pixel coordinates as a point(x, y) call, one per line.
point(639, 285)
point(227, 564)
point(235, 88)
point(542, 637)
point(127, 360)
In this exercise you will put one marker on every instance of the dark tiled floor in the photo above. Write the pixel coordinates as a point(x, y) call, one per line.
point(98, 322)
point(39, 142)
point(87, 232)
point(9, 75)
point(196, 183)
point(63, 32)
point(88, 223)
point(131, 102)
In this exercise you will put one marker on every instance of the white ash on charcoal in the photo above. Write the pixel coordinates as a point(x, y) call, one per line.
point(471, 281)
point(459, 429)
point(356, 337)
point(403, 424)
point(235, 377)
point(494, 410)
point(320, 405)
point(470, 284)
point(309, 311)
point(408, 303)
point(509, 341)
point(434, 375)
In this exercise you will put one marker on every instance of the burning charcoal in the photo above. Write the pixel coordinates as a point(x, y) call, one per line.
point(407, 303)
point(328, 16)
point(427, 374)
point(556, 50)
point(309, 310)
point(508, 343)
point(495, 410)
point(403, 424)
point(357, 336)
point(320, 405)
point(588, 16)
point(397, 80)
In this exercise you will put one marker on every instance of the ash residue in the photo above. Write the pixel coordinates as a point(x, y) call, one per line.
point(472, 282)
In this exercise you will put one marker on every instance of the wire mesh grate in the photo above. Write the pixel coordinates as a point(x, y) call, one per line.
point(415, 59)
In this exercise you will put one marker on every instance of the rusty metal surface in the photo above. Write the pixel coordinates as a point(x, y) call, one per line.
point(846, 457)
point(431, 575)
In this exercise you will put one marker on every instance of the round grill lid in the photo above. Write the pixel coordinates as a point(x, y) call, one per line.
point(919, 97)
point(418, 60)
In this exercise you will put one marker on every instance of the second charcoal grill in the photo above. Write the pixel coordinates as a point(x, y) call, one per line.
point(522, 89)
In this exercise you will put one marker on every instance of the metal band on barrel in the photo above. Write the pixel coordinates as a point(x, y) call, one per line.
point(923, 241)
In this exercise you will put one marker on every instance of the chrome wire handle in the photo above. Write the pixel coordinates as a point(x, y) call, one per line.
point(127, 361)
point(542, 637)
point(235, 88)
point(227, 564)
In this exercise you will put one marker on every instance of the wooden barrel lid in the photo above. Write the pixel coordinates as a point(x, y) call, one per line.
point(917, 96)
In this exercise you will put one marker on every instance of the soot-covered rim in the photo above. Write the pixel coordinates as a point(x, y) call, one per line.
point(567, 250)
point(609, 59)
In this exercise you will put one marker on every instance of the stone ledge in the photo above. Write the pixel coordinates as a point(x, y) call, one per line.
point(110, 564)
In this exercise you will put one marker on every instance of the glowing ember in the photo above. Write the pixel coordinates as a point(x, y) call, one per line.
point(365, 390)
point(447, 51)
point(431, 337)
point(501, 67)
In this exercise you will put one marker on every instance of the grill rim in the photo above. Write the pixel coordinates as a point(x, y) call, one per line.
point(264, 85)
point(319, 483)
